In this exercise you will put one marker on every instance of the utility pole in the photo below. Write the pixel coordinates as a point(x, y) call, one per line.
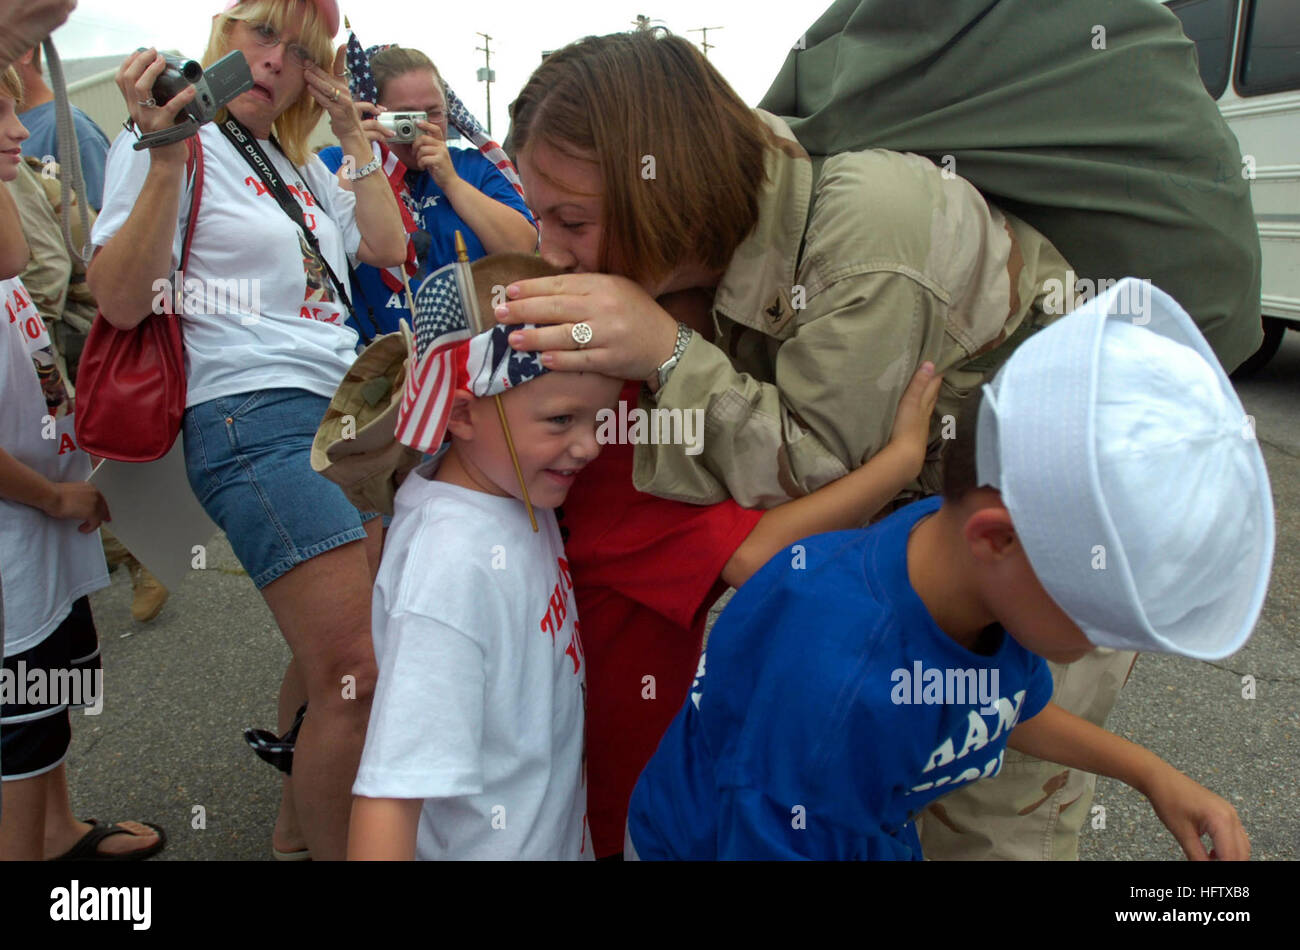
point(487, 74)
point(704, 40)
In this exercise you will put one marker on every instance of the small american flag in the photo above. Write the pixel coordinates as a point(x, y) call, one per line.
point(445, 313)
point(450, 356)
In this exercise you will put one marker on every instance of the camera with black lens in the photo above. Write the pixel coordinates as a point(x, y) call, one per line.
point(402, 125)
point(215, 86)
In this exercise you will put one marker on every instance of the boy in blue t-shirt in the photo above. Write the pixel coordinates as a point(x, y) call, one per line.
point(1102, 493)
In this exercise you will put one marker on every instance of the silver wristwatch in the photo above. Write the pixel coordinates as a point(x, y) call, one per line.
point(683, 339)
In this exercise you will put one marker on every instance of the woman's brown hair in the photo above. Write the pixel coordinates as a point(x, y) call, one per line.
point(294, 126)
point(387, 64)
point(680, 154)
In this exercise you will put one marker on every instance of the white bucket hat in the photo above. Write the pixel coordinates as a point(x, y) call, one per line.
point(1133, 477)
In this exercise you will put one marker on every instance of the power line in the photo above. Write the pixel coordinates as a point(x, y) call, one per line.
point(704, 40)
point(487, 74)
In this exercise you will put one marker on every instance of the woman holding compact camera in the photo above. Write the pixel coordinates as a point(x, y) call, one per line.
point(262, 366)
point(445, 189)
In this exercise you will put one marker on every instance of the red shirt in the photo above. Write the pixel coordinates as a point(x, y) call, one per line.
point(645, 573)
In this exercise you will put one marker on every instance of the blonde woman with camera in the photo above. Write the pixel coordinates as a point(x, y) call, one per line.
point(261, 371)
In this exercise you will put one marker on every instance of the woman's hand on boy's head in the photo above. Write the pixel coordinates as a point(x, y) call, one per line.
point(911, 432)
point(1190, 810)
point(631, 334)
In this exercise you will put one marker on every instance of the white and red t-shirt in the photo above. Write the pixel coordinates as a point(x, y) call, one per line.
point(479, 705)
point(45, 563)
point(260, 312)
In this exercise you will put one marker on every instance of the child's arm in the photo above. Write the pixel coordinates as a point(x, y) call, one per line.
point(1187, 809)
point(77, 500)
point(14, 253)
point(849, 501)
point(383, 829)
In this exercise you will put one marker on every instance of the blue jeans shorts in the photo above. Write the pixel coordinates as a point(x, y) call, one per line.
point(249, 462)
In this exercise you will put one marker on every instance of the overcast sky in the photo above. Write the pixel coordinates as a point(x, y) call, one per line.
point(749, 49)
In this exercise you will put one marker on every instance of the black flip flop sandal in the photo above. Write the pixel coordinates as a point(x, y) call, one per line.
point(277, 750)
point(87, 848)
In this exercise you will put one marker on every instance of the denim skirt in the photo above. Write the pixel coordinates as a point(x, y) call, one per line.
point(248, 457)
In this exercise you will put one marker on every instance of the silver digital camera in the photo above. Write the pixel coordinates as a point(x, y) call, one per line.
point(402, 125)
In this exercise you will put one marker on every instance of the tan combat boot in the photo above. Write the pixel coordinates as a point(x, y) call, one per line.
point(150, 594)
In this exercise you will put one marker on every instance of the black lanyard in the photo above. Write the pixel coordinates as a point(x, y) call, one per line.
point(246, 144)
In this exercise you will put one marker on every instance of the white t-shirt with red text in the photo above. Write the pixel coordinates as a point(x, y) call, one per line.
point(479, 706)
point(45, 563)
point(260, 312)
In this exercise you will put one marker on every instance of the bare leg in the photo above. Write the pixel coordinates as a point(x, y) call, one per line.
point(63, 830)
point(323, 609)
point(22, 827)
point(288, 834)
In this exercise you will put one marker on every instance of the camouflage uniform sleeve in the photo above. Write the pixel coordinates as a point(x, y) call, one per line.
point(47, 274)
point(838, 382)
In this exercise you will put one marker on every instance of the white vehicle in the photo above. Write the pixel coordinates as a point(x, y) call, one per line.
point(1249, 53)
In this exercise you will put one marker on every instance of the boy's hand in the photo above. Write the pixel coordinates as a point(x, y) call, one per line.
point(911, 431)
point(79, 501)
point(1190, 810)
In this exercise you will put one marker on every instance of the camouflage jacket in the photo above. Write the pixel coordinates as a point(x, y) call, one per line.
point(56, 281)
point(822, 318)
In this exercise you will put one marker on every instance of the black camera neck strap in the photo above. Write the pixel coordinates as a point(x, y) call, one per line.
point(246, 145)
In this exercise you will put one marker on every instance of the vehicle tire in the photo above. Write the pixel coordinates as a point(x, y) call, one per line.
point(1273, 331)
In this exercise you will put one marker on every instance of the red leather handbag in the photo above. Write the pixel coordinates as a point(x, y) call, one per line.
point(131, 383)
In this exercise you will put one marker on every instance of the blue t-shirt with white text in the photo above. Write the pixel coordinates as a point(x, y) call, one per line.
point(828, 710)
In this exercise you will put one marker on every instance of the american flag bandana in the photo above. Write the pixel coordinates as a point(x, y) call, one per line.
point(449, 356)
point(361, 83)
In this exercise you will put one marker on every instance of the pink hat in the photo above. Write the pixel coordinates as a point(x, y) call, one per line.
point(328, 10)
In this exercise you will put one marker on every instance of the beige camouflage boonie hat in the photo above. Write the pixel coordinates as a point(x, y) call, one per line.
point(356, 445)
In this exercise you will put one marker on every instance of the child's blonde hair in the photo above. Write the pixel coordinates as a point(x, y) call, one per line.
point(11, 85)
point(294, 126)
point(498, 270)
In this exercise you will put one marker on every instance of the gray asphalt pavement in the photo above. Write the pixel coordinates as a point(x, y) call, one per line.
point(168, 746)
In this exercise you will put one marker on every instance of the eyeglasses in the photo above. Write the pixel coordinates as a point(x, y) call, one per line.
point(267, 35)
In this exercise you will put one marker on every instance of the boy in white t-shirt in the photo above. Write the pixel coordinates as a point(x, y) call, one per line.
point(50, 560)
point(475, 744)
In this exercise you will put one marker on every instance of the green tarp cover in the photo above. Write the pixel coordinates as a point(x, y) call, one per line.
point(1086, 119)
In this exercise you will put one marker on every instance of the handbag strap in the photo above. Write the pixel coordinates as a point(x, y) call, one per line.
point(194, 175)
point(193, 171)
point(246, 145)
